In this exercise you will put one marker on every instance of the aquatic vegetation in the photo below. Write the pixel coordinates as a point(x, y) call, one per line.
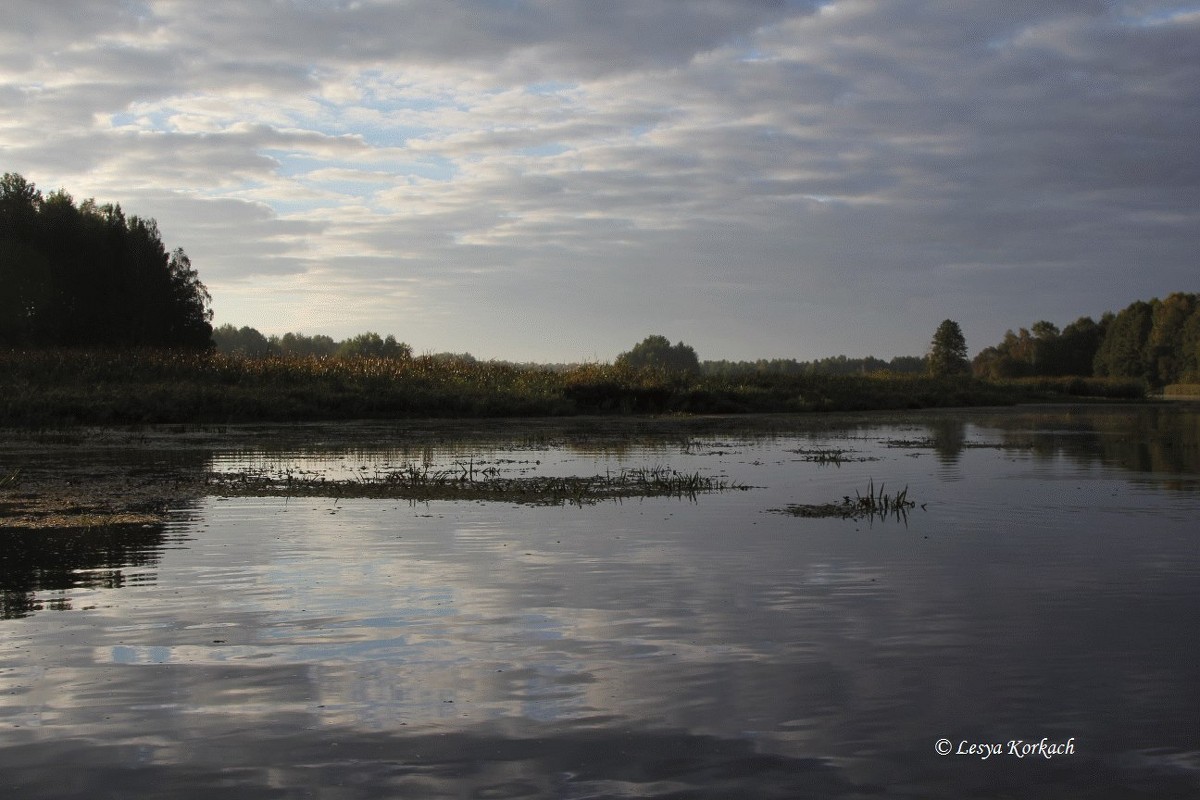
point(875, 504)
point(419, 483)
point(832, 455)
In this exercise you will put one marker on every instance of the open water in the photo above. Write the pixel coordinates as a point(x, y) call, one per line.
point(1039, 606)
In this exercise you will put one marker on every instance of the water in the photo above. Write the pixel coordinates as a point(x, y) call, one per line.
point(1045, 586)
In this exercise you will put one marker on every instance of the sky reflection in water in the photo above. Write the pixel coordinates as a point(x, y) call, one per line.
point(1047, 588)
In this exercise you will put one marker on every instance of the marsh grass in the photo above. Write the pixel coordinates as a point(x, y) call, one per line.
point(419, 483)
point(831, 455)
point(97, 387)
point(875, 504)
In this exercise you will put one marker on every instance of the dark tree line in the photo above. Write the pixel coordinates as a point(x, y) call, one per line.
point(831, 365)
point(88, 276)
point(251, 343)
point(1156, 341)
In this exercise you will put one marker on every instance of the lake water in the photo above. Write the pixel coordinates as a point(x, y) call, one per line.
point(1045, 586)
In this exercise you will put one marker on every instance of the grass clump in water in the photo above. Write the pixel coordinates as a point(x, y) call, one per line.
point(875, 504)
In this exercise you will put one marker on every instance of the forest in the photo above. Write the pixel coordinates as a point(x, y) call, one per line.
point(1155, 341)
point(87, 275)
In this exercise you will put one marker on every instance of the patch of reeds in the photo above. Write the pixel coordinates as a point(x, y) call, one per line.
point(418, 483)
point(52, 387)
point(875, 504)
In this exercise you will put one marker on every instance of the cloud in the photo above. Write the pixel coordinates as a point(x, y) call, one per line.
point(744, 175)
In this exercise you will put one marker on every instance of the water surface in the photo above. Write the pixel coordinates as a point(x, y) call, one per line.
point(1045, 586)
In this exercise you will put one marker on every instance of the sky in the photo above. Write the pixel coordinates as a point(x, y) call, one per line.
point(555, 180)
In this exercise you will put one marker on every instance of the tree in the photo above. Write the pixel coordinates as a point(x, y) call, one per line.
point(948, 350)
point(1164, 355)
point(656, 352)
point(371, 345)
point(1122, 352)
point(1078, 345)
point(297, 344)
point(244, 341)
point(87, 275)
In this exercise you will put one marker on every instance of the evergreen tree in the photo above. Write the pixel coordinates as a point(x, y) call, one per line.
point(948, 350)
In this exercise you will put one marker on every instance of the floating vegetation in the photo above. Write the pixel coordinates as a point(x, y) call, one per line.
point(825, 456)
point(912, 444)
point(463, 482)
point(872, 505)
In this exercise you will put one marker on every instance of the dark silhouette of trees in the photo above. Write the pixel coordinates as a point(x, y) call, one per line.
point(371, 345)
point(831, 365)
point(250, 343)
point(948, 350)
point(1156, 341)
point(1122, 354)
point(87, 275)
point(244, 341)
point(656, 352)
point(297, 344)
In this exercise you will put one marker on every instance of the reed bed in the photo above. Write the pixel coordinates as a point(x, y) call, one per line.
point(95, 387)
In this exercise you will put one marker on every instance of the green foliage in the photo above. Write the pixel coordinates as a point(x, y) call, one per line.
point(87, 275)
point(656, 352)
point(1122, 354)
point(1155, 343)
point(948, 351)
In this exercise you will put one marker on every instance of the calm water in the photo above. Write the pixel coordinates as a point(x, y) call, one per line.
point(1046, 586)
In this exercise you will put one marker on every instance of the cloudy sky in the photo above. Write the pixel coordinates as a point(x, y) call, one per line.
point(554, 180)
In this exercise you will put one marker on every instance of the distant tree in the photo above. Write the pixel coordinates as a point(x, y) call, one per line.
point(1078, 345)
point(656, 352)
point(908, 364)
point(1189, 335)
point(948, 350)
point(1122, 352)
point(297, 344)
point(1164, 356)
point(244, 341)
point(371, 345)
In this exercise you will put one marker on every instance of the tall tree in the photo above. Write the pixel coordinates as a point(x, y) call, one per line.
point(1122, 352)
point(1165, 344)
point(948, 350)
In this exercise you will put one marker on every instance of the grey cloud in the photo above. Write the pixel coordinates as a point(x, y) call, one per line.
point(905, 158)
